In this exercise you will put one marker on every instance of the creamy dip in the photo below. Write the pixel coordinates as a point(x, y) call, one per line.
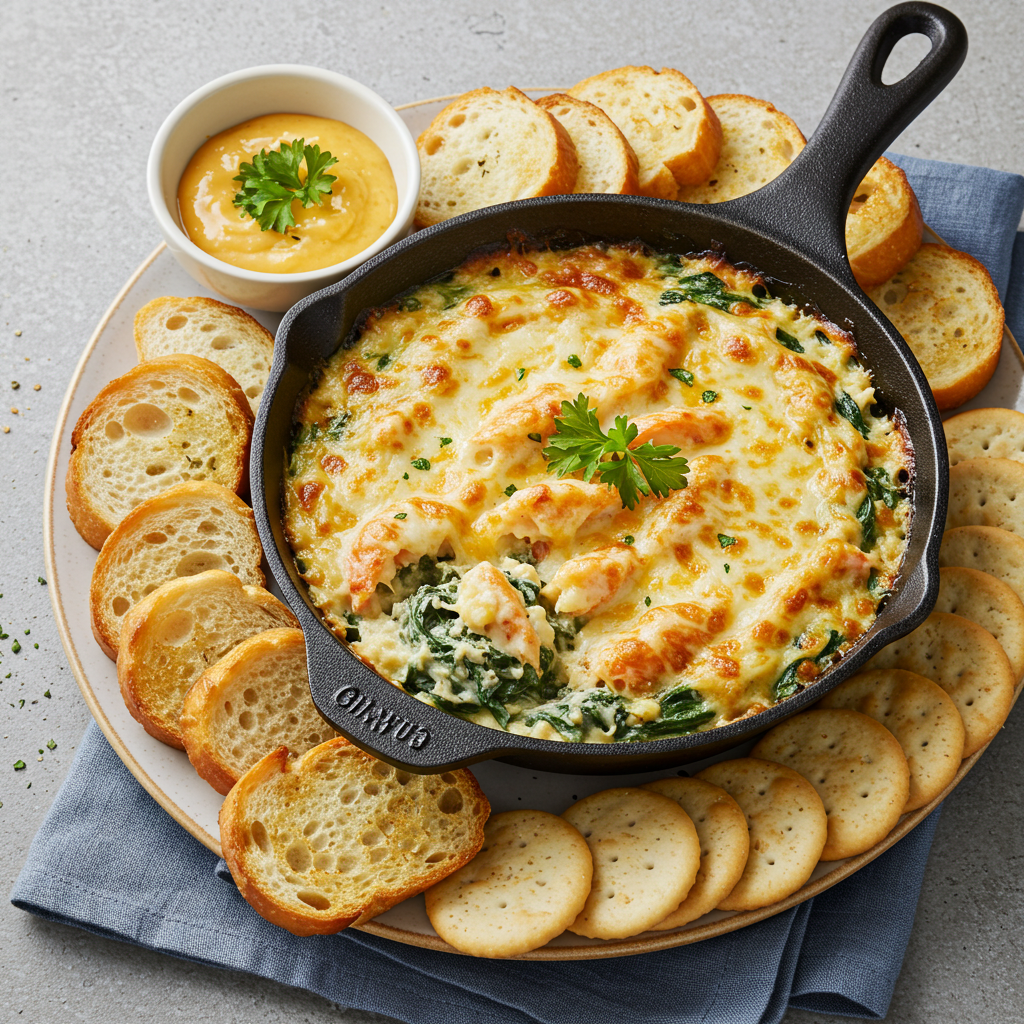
point(362, 203)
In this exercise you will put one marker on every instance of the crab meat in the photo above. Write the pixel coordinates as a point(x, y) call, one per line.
point(588, 582)
point(488, 604)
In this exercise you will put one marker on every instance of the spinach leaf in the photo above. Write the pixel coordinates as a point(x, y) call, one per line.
point(453, 294)
point(598, 708)
point(682, 711)
point(787, 340)
point(788, 683)
point(866, 517)
point(823, 337)
point(850, 410)
point(875, 588)
point(409, 304)
point(880, 487)
point(352, 632)
point(706, 289)
point(335, 426)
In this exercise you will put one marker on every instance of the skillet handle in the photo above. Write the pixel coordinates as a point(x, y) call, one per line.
point(807, 204)
point(383, 720)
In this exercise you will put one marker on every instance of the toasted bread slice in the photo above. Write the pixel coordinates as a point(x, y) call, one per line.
point(252, 701)
point(607, 162)
point(672, 129)
point(171, 637)
point(758, 144)
point(226, 335)
point(883, 226)
point(337, 837)
point(185, 530)
point(948, 310)
point(490, 147)
point(172, 419)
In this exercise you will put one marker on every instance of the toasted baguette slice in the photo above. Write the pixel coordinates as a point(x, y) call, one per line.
point(758, 144)
point(185, 530)
point(171, 637)
point(172, 419)
point(674, 133)
point(883, 226)
point(948, 310)
point(607, 162)
point(337, 837)
point(226, 335)
point(490, 147)
point(252, 701)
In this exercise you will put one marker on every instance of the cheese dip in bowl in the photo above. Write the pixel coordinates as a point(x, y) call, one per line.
point(263, 110)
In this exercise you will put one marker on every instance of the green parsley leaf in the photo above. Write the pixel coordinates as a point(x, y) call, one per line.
point(578, 443)
point(706, 289)
point(405, 476)
point(41, 580)
point(15, 647)
point(709, 396)
point(47, 695)
point(301, 566)
point(787, 340)
point(383, 361)
point(445, 441)
point(629, 539)
point(520, 373)
point(647, 601)
point(683, 375)
point(421, 463)
point(19, 765)
point(575, 362)
point(537, 437)
point(51, 745)
point(401, 515)
point(510, 490)
point(726, 564)
point(271, 183)
point(748, 407)
point(725, 540)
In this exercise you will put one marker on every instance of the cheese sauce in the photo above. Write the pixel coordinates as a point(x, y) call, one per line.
point(423, 516)
point(362, 203)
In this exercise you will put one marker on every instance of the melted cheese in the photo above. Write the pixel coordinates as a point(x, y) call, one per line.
point(424, 438)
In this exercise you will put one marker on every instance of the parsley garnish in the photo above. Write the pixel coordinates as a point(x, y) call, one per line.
point(15, 647)
point(574, 361)
point(18, 765)
point(647, 601)
point(405, 476)
point(709, 396)
point(578, 443)
point(383, 361)
point(401, 515)
point(726, 564)
point(537, 437)
point(725, 540)
point(271, 183)
point(510, 490)
point(629, 539)
point(748, 407)
point(51, 745)
point(683, 375)
point(421, 463)
point(520, 373)
point(445, 441)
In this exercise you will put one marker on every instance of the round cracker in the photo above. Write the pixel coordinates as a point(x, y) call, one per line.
point(646, 855)
point(987, 549)
point(967, 662)
point(724, 844)
point(786, 824)
point(987, 492)
point(922, 717)
point(985, 433)
point(856, 765)
point(990, 603)
point(527, 884)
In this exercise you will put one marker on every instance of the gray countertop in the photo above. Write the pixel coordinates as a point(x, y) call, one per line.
point(85, 87)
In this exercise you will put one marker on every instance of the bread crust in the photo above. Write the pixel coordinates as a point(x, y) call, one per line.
point(901, 234)
point(552, 170)
point(134, 668)
point(151, 337)
point(663, 169)
point(94, 522)
point(621, 166)
point(237, 841)
point(202, 742)
point(106, 627)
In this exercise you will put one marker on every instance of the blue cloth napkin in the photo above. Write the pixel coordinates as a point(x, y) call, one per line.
point(109, 860)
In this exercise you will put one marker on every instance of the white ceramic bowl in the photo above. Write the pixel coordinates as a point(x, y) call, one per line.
point(274, 89)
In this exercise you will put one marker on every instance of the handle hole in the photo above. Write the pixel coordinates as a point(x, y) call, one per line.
point(906, 55)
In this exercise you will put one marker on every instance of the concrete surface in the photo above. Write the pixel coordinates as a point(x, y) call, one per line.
point(85, 87)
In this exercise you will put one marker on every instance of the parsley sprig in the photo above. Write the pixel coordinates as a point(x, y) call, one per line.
point(579, 443)
point(271, 183)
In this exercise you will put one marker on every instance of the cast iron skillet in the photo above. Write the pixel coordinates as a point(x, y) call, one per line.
point(792, 230)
